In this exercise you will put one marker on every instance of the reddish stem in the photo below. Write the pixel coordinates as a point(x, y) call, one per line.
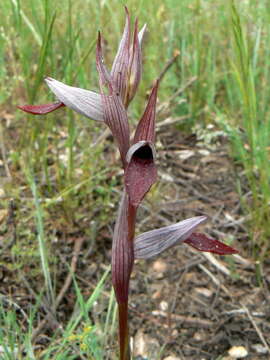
point(123, 331)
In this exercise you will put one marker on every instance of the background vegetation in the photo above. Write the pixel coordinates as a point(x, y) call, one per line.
point(53, 172)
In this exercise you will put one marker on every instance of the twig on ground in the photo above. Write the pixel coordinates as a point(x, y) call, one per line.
point(260, 334)
point(165, 105)
point(216, 263)
point(187, 320)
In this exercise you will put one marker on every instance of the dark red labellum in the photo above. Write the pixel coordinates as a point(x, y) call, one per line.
point(41, 109)
point(203, 243)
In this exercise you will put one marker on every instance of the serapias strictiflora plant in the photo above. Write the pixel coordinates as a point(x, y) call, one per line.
point(138, 157)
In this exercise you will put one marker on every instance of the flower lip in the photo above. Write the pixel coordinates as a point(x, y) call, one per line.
point(143, 150)
point(141, 171)
point(41, 109)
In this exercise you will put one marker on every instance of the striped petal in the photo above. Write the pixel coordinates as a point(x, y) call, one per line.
point(134, 67)
point(154, 242)
point(115, 115)
point(85, 102)
point(120, 66)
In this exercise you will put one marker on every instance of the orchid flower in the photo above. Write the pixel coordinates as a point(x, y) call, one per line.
point(138, 156)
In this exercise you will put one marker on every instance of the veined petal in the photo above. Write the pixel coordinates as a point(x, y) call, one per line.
point(135, 67)
point(41, 109)
point(115, 116)
point(146, 128)
point(120, 66)
point(105, 78)
point(202, 242)
point(154, 242)
point(85, 102)
point(141, 171)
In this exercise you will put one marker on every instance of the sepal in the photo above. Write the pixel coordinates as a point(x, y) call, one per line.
point(85, 102)
point(152, 243)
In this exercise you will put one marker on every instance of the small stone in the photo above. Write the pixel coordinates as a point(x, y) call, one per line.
point(2, 192)
point(159, 266)
point(185, 154)
point(171, 358)
point(156, 290)
point(259, 348)
point(204, 292)
point(145, 346)
point(163, 305)
point(238, 352)
point(198, 336)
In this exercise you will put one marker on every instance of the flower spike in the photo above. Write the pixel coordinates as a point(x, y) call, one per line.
point(117, 89)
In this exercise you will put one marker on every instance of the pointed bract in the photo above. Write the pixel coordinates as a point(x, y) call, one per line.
point(122, 250)
point(146, 128)
point(141, 171)
point(122, 263)
point(105, 79)
point(134, 67)
point(120, 68)
point(41, 109)
point(202, 242)
point(115, 115)
point(85, 102)
point(154, 242)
